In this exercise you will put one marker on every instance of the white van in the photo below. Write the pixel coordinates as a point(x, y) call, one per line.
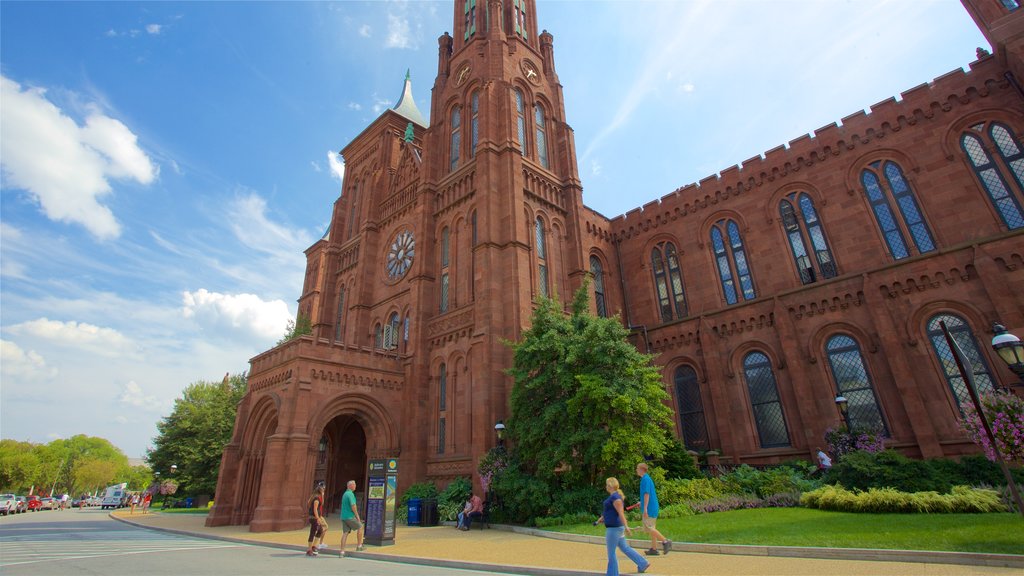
point(114, 497)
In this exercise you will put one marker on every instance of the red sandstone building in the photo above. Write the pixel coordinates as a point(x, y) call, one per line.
point(822, 268)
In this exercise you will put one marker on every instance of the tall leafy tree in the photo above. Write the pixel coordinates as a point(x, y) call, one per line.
point(586, 403)
point(193, 436)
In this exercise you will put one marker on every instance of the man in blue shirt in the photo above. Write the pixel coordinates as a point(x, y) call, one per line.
point(649, 511)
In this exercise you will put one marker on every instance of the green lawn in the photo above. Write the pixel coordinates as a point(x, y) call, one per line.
point(998, 533)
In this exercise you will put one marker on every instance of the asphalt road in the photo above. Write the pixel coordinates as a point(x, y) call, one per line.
point(88, 542)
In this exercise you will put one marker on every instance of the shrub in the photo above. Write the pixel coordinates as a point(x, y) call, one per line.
point(521, 497)
point(862, 470)
point(764, 483)
point(420, 490)
point(570, 502)
point(680, 491)
point(887, 500)
point(457, 492)
point(565, 520)
point(1005, 414)
point(677, 462)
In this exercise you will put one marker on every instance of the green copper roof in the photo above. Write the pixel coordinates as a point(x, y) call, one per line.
point(407, 106)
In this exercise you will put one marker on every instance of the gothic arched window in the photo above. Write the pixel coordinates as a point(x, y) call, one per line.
point(598, 271)
point(991, 175)
point(539, 127)
point(520, 121)
point(378, 341)
point(854, 383)
point(542, 265)
point(691, 409)
point(444, 270)
point(456, 136)
point(519, 17)
point(964, 338)
point(884, 182)
point(475, 124)
point(338, 327)
point(391, 332)
point(731, 260)
point(668, 281)
point(805, 230)
point(764, 401)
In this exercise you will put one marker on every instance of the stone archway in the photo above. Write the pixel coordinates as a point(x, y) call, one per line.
point(253, 454)
point(342, 458)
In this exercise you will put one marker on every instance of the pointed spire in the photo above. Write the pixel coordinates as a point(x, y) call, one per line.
point(406, 106)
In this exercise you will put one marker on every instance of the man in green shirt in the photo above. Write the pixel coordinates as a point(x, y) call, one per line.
point(350, 518)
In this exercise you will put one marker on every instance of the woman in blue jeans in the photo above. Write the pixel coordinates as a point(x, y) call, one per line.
point(615, 528)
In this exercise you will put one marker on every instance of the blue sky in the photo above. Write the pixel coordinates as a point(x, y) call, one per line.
point(164, 165)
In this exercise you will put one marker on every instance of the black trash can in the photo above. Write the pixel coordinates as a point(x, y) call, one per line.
point(428, 512)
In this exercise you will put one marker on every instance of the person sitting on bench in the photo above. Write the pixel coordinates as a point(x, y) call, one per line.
point(476, 512)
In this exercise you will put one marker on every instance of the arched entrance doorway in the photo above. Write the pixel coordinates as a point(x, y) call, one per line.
point(341, 457)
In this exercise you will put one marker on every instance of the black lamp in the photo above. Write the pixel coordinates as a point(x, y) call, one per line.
point(843, 404)
point(499, 429)
point(1009, 348)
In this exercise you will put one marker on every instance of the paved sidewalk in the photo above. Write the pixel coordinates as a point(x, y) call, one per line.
point(522, 553)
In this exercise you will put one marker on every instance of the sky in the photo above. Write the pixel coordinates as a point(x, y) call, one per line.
point(165, 164)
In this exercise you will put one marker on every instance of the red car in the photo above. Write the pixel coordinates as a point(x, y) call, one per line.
point(34, 504)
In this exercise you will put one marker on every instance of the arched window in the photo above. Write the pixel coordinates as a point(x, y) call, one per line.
point(475, 124)
point(378, 341)
point(964, 338)
point(519, 17)
point(668, 281)
point(805, 230)
point(896, 187)
point(731, 259)
point(691, 409)
point(444, 270)
point(542, 265)
point(854, 383)
point(442, 407)
point(391, 332)
point(1011, 5)
point(598, 271)
point(456, 136)
point(764, 401)
point(520, 121)
point(991, 175)
point(338, 327)
point(405, 332)
point(542, 145)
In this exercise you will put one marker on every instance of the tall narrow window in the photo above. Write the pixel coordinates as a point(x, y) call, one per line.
point(1011, 5)
point(811, 233)
point(338, 328)
point(442, 389)
point(474, 124)
point(520, 121)
point(441, 435)
point(472, 260)
point(731, 260)
point(542, 266)
point(896, 187)
point(764, 401)
point(470, 24)
point(391, 332)
point(691, 409)
point(991, 176)
point(541, 138)
point(598, 272)
point(444, 270)
point(378, 341)
point(456, 136)
point(854, 383)
point(964, 338)
point(444, 247)
point(668, 281)
point(352, 209)
point(519, 17)
point(405, 332)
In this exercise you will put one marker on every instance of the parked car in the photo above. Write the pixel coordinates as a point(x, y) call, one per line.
point(8, 504)
point(34, 504)
point(50, 503)
point(22, 504)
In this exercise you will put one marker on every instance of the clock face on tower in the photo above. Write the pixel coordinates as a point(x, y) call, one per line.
point(400, 255)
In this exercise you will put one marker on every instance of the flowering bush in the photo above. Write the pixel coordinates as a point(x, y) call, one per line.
point(1005, 414)
point(492, 464)
point(842, 441)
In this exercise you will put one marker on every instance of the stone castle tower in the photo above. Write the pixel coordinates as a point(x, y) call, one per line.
point(817, 270)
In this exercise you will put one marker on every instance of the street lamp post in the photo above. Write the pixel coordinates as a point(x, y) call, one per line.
point(499, 429)
point(1010, 349)
point(967, 373)
point(844, 410)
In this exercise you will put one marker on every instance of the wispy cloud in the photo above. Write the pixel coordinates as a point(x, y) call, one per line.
point(154, 29)
point(337, 166)
point(65, 167)
point(132, 396)
point(22, 366)
point(364, 30)
point(74, 335)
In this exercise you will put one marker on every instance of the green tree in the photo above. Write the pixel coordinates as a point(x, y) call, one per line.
point(193, 436)
point(73, 465)
point(586, 403)
point(295, 328)
point(19, 466)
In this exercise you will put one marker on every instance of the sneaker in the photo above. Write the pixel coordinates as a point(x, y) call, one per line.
point(652, 552)
point(360, 548)
point(322, 547)
point(666, 546)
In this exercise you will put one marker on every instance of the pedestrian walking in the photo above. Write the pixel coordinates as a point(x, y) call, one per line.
point(317, 524)
point(616, 526)
point(134, 501)
point(350, 519)
point(649, 511)
point(146, 501)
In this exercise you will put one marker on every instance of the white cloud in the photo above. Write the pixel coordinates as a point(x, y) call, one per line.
point(154, 29)
point(364, 30)
point(94, 339)
point(380, 104)
point(249, 222)
point(66, 168)
point(595, 167)
point(316, 167)
point(244, 315)
point(111, 33)
point(399, 35)
point(355, 106)
point(19, 366)
point(337, 166)
point(132, 395)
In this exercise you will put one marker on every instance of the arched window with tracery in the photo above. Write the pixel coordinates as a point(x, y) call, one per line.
point(964, 338)
point(456, 133)
point(731, 259)
point(668, 281)
point(853, 382)
point(542, 263)
point(885, 181)
point(691, 409)
point(598, 272)
point(444, 271)
point(978, 144)
point(764, 401)
point(520, 121)
point(338, 326)
point(803, 228)
point(541, 135)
